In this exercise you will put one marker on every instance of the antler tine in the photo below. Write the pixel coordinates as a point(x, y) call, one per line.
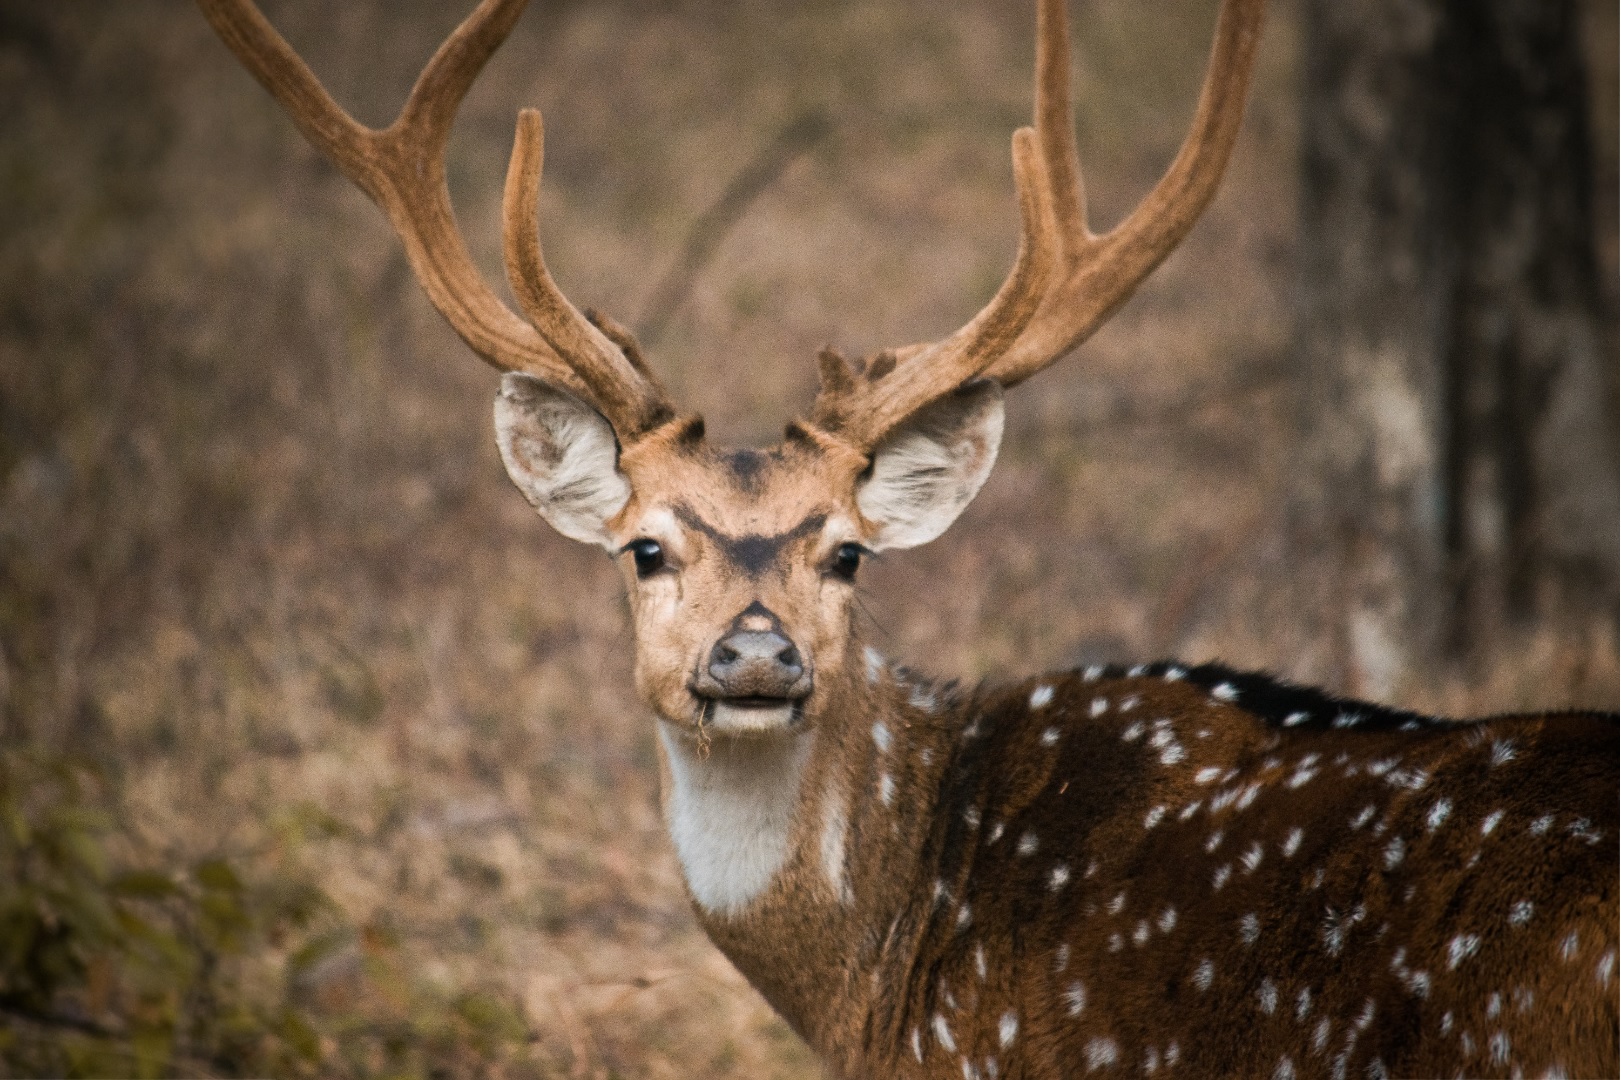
point(632, 403)
point(862, 410)
point(402, 168)
point(1098, 274)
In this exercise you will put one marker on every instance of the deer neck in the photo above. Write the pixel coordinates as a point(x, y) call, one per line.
point(799, 849)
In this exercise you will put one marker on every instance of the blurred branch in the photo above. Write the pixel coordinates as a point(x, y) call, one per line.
point(802, 133)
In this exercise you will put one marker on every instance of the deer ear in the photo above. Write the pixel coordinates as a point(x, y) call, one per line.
point(929, 469)
point(562, 455)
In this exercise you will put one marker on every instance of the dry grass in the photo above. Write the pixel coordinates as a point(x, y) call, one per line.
point(259, 553)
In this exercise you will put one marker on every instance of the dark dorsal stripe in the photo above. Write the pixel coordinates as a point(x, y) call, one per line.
point(1277, 702)
point(753, 554)
point(1281, 703)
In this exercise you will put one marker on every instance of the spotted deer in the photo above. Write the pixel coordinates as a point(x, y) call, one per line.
point(1161, 868)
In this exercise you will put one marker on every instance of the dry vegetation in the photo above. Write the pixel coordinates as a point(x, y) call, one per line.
point(259, 563)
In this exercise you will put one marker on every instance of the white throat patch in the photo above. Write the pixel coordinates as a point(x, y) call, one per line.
point(730, 814)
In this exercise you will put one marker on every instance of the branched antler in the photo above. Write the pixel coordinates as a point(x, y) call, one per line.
point(401, 168)
point(1091, 275)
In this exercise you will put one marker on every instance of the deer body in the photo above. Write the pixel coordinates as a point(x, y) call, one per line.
point(1158, 869)
point(1189, 870)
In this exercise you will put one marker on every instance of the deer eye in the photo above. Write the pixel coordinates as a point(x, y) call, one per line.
point(649, 556)
point(846, 560)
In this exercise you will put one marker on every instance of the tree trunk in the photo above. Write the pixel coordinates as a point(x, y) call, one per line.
point(1461, 403)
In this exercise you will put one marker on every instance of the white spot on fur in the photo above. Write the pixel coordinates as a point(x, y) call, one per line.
point(917, 1045)
point(1058, 878)
point(880, 737)
point(1568, 945)
point(1302, 1005)
point(1099, 707)
point(1268, 995)
point(1302, 776)
point(1291, 843)
point(1249, 928)
point(1139, 936)
point(1167, 920)
point(834, 827)
point(1041, 697)
point(1224, 692)
point(1061, 958)
point(1204, 974)
point(1027, 844)
point(1207, 774)
point(1362, 818)
point(1100, 1053)
point(1394, 852)
point(1461, 948)
point(1219, 878)
point(1117, 904)
point(1502, 752)
point(886, 789)
point(1132, 731)
point(979, 960)
point(1284, 1071)
point(1075, 998)
point(1153, 817)
point(1438, 814)
point(1172, 754)
point(1174, 674)
point(1251, 858)
point(1295, 719)
point(875, 665)
point(1007, 1030)
point(1541, 825)
point(942, 1032)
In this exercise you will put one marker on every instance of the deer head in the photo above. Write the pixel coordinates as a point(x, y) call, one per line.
point(739, 564)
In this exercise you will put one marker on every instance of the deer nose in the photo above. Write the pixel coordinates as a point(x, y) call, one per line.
point(756, 663)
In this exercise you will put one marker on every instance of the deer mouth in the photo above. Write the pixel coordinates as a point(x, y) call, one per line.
point(751, 714)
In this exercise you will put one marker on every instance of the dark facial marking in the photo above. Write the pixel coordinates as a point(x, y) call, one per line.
point(757, 610)
point(746, 466)
point(751, 554)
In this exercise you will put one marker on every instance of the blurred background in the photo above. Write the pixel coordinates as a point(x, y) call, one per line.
point(320, 750)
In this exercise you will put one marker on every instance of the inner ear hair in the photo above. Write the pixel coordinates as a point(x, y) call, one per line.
point(930, 467)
